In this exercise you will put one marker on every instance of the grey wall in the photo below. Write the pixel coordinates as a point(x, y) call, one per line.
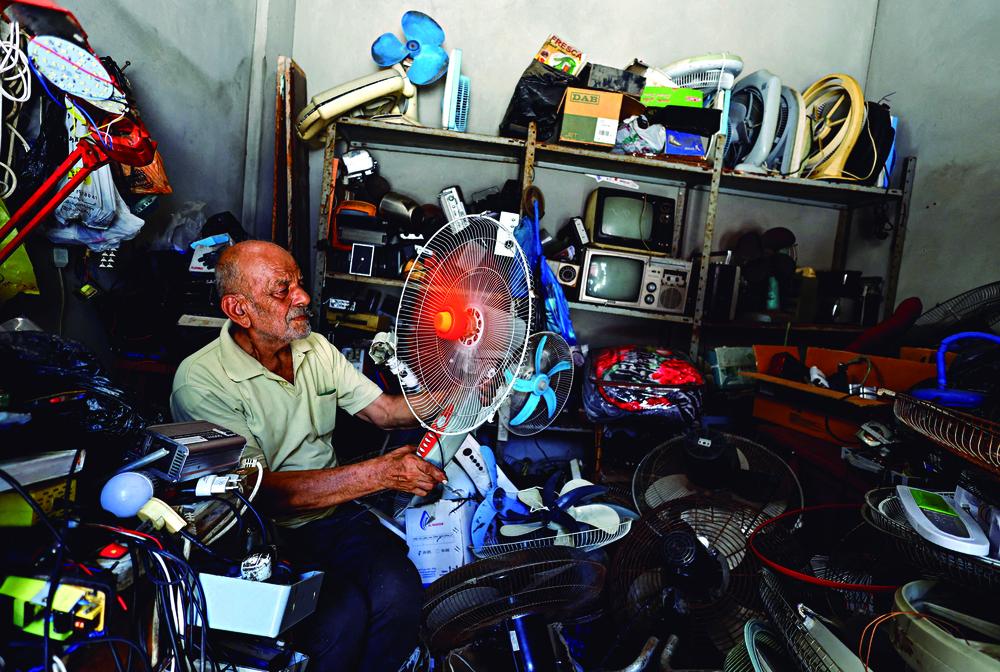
point(940, 59)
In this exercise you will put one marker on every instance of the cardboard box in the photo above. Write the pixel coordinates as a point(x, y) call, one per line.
point(561, 55)
point(663, 96)
point(440, 538)
point(591, 117)
point(830, 415)
point(606, 78)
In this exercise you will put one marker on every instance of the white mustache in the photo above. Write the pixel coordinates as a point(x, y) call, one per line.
point(301, 312)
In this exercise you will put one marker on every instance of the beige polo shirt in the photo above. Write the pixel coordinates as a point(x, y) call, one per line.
point(288, 425)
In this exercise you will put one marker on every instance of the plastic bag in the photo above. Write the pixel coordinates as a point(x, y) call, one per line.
point(536, 97)
point(16, 274)
point(639, 138)
point(184, 228)
point(557, 317)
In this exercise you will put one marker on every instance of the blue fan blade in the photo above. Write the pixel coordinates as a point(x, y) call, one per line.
point(549, 491)
point(538, 354)
point(526, 411)
point(559, 368)
point(491, 464)
point(388, 50)
point(423, 29)
point(481, 521)
point(428, 66)
point(579, 496)
point(512, 509)
point(522, 385)
point(562, 518)
point(550, 401)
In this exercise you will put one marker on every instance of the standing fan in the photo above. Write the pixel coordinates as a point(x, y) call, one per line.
point(455, 101)
point(517, 594)
point(685, 566)
point(753, 119)
point(541, 386)
point(836, 106)
point(975, 310)
point(711, 461)
point(792, 135)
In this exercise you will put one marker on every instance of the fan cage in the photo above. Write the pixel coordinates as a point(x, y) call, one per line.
point(586, 540)
point(885, 513)
point(962, 306)
point(761, 648)
point(461, 381)
point(973, 439)
point(666, 459)
point(561, 384)
point(809, 655)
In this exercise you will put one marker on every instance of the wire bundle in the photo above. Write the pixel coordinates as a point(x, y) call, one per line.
point(15, 89)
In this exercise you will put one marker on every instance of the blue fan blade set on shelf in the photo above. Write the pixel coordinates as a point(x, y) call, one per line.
point(424, 38)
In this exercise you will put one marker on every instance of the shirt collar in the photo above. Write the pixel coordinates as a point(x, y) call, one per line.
point(239, 365)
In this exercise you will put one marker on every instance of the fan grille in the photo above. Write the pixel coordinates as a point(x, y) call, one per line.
point(462, 104)
point(549, 582)
point(884, 511)
point(474, 272)
point(807, 652)
point(554, 350)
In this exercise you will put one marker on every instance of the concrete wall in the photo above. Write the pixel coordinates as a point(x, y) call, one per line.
point(940, 59)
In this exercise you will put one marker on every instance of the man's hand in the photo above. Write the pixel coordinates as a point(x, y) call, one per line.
point(403, 470)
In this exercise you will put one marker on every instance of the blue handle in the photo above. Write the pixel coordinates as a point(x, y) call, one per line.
point(961, 336)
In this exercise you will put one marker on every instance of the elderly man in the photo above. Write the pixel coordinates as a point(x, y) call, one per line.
point(270, 379)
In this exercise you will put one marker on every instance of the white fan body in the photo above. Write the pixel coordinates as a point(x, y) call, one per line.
point(793, 140)
point(769, 87)
point(455, 101)
point(710, 72)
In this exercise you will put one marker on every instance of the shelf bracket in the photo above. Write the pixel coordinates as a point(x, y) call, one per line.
point(706, 245)
point(528, 175)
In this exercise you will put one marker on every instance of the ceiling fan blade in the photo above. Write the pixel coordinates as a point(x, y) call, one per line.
point(559, 368)
point(538, 353)
point(551, 403)
point(600, 516)
point(526, 410)
point(422, 28)
point(532, 497)
point(388, 50)
point(520, 529)
point(428, 66)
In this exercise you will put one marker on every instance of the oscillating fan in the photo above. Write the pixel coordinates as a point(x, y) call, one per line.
point(424, 38)
point(709, 72)
point(792, 135)
point(684, 566)
point(975, 310)
point(836, 106)
point(541, 386)
point(753, 119)
point(455, 102)
point(517, 594)
point(710, 461)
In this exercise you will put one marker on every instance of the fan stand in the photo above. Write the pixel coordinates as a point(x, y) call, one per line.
point(532, 646)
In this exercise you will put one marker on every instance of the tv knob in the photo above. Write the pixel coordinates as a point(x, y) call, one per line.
point(649, 299)
point(651, 287)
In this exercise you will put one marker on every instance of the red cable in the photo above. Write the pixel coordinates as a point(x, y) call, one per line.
point(816, 581)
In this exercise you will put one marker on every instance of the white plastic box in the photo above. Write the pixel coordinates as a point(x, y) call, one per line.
point(256, 608)
point(439, 537)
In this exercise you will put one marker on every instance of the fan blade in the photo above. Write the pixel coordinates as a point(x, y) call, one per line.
point(668, 488)
point(551, 403)
point(600, 516)
point(526, 410)
point(520, 384)
point(428, 66)
point(538, 353)
point(579, 495)
point(624, 513)
point(520, 529)
point(532, 497)
point(564, 537)
point(573, 484)
point(509, 508)
point(422, 28)
point(549, 491)
point(481, 520)
point(559, 368)
point(491, 465)
point(388, 50)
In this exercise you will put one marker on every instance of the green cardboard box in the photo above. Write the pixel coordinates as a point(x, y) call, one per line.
point(663, 96)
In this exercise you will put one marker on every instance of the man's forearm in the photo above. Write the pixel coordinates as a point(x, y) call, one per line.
point(311, 489)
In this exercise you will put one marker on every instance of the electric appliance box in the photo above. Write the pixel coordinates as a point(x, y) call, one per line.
point(631, 221)
point(256, 607)
point(642, 282)
point(195, 449)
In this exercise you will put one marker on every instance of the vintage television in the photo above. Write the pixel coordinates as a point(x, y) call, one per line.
point(639, 281)
point(632, 221)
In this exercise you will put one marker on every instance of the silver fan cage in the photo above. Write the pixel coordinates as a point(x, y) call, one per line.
point(586, 540)
point(884, 511)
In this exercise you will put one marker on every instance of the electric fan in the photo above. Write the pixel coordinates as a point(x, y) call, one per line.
point(753, 118)
point(424, 38)
point(455, 102)
point(939, 629)
point(683, 566)
point(541, 386)
point(975, 310)
point(711, 461)
point(792, 135)
point(514, 594)
point(760, 651)
point(710, 72)
point(836, 106)
point(885, 512)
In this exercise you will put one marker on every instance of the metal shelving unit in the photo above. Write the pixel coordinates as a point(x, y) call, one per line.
point(708, 176)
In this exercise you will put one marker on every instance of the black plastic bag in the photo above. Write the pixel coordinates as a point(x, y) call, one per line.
point(536, 98)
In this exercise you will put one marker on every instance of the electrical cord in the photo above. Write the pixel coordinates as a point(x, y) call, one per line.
point(210, 551)
point(265, 536)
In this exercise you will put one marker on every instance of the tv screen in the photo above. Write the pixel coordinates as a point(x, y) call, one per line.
point(614, 278)
point(627, 217)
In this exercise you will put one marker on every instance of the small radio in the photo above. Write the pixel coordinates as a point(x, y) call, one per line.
point(567, 274)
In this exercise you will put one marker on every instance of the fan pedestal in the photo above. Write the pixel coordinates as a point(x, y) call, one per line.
point(531, 644)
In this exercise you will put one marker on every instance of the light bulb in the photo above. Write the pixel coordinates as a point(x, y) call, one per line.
point(124, 494)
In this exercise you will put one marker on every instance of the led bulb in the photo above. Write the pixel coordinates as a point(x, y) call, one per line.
point(124, 494)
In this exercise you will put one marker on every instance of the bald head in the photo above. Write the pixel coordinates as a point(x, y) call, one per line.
point(238, 264)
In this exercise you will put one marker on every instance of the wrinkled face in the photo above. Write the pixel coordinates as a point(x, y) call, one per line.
point(277, 300)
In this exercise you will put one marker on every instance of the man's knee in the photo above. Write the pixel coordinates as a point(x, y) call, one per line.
point(396, 592)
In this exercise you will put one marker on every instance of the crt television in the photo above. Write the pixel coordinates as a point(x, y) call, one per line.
point(638, 281)
point(631, 221)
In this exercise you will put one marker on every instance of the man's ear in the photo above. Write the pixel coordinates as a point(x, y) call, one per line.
point(235, 308)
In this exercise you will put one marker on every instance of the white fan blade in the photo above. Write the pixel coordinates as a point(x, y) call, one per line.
point(532, 497)
point(600, 516)
point(563, 536)
point(573, 485)
point(667, 489)
point(519, 529)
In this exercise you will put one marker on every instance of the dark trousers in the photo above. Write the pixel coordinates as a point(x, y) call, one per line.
point(368, 614)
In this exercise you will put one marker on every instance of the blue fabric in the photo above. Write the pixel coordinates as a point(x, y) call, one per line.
point(557, 317)
point(368, 615)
